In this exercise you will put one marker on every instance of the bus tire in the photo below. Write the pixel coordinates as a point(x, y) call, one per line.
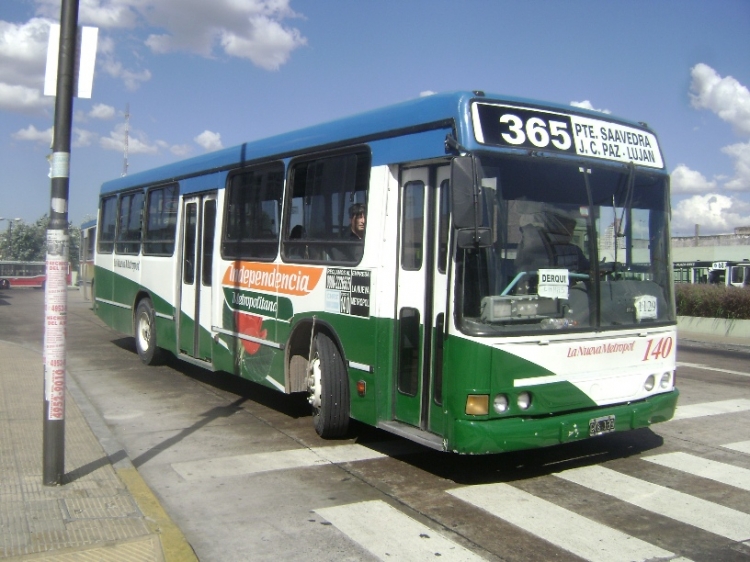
point(328, 388)
point(145, 334)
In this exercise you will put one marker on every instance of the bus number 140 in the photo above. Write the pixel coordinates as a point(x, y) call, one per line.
point(660, 350)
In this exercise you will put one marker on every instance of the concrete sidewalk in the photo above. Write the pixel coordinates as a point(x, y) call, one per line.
point(104, 511)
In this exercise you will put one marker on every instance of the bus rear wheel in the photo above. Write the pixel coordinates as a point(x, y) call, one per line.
point(328, 388)
point(145, 334)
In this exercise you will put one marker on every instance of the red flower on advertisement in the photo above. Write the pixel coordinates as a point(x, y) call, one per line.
point(250, 325)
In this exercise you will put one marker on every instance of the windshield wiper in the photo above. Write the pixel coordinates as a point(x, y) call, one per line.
point(627, 205)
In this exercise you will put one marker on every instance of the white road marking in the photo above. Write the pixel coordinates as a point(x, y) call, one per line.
point(679, 506)
point(705, 468)
point(563, 528)
point(741, 446)
point(711, 409)
point(389, 534)
point(708, 368)
point(283, 460)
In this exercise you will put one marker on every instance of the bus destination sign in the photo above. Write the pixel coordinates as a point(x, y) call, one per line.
point(536, 129)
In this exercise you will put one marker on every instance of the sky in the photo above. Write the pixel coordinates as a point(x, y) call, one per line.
point(200, 75)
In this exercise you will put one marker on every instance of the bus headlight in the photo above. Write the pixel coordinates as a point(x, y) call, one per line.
point(665, 380)
point(500, 404)
point(477, 404)
point(650, 383)
point(524, 400)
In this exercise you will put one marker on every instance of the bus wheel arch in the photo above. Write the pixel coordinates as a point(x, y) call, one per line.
point(328, 387)
point(144, 330)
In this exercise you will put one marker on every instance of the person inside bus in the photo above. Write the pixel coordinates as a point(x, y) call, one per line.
point(546, 242)
point(353, 251)
point(297, 250)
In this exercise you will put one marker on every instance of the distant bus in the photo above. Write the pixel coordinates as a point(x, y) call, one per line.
point(474, 272)
point(86, 258)
point(693, 272)
point(730, 273)
point(22, 274)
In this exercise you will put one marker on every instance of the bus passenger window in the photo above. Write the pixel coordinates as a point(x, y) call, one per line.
point(107, 223)
point(129, 224)
point(253, 211)
point(161, 220)
point(327, 201)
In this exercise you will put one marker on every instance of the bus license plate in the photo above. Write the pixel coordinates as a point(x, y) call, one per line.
point(600, 426)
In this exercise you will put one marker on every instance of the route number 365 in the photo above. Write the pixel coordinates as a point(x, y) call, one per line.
point(537, 131)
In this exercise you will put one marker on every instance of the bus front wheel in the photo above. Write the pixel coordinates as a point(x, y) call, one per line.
point(328, 388)
point(145, 333)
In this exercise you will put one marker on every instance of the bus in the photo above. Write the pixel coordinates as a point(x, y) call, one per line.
point(473, 272)
point(730, 273)
point(693, 272)
point(87, 251)
point(22, 274)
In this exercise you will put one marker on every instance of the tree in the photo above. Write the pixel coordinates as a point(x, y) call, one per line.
point(28, 242)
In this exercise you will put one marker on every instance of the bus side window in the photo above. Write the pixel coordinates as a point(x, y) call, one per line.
point(107, 223)
point(129, 223)
point(161, 220)
point(323, 193)
point(253, 212)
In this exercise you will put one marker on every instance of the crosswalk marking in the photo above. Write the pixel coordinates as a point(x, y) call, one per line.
point(282, 460)
point(741, 446)
point(717, 369)
point(705, 468)
point(700, 513)
point(563, 528)
point(389, 534)
point(711, 409)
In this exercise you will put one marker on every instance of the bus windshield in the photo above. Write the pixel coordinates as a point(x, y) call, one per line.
point(573, 248)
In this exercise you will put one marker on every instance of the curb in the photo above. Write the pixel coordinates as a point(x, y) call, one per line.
point(175, 547)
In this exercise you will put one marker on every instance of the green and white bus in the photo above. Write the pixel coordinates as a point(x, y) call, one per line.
point(474, 272)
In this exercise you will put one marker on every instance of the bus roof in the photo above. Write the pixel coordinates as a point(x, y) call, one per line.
point(425, 113)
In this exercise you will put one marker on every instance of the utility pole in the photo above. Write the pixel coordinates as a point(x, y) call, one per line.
point(127, 134)
point(56, 286)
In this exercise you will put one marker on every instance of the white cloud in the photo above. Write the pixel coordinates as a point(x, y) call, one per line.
point(82, 137)
point(181, 150)
point(726, 97)
point(685, 180)
point(209, 141)
point(741, 154)
point(131, 78)
point(23, 99)
point(714, 213)
point(23, 52)
point(99, 13)
point(426, 93)
point(250, 29)
point(586, 104)
point(102, 111)
point(23, 56)
point(32, 134)
point(138, 142)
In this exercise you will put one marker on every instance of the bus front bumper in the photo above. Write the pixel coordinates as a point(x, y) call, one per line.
point(512, 434)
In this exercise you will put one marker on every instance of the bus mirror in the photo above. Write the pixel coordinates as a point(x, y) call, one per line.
point(474, 237)
point(464, 193)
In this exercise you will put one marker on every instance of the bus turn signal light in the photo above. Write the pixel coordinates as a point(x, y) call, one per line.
point(477, 404)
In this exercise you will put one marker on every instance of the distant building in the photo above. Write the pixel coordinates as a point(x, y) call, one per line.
point(716, 247)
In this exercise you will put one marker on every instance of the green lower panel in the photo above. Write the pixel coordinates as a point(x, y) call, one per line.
point(514, 434)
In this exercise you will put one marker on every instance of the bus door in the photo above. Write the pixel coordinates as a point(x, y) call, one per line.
point(421, 296)
point(199, 222)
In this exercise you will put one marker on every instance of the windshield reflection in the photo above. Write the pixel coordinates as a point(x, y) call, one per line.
point(573, 249)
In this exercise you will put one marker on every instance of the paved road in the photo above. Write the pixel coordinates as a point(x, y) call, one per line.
point(244, 475)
